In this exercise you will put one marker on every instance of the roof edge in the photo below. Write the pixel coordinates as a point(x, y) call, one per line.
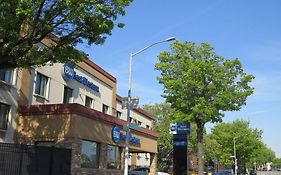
point(74, 108)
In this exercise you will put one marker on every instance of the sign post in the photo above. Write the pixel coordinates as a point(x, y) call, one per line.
point(180, 132)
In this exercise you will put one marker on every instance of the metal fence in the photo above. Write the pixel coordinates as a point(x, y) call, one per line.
point(18, 159)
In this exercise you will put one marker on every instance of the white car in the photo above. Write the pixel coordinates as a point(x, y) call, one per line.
point(162, 173)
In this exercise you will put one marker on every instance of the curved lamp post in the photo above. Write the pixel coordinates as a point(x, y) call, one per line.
point(130, 103)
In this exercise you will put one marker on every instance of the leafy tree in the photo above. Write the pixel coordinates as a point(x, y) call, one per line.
point(201, 85)
point(276, 163)
point(249, 147)
point(212, 149)
point(162, 113)
point(25, 23)
point(262, 155)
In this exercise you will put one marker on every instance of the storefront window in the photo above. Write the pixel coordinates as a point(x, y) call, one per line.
point(4, 111)
point(90, 157)
point(68, 95)
point(113, 157)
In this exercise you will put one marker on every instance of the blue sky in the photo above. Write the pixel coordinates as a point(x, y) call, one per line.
point(248, 30)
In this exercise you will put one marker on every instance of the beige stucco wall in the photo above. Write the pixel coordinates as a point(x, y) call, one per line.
point(42, 127)
point(103, 79)
point(58, 127)
point(57, 83)
point(135, 115)
point(9, 96)
point(89, 129)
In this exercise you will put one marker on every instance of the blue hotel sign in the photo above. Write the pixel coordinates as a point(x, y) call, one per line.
point(117, 136)
point(180, 128)
point(68, 74)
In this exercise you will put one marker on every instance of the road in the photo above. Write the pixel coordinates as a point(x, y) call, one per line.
point(269, 173)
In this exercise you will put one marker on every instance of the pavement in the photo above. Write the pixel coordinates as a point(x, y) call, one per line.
point(269, 173)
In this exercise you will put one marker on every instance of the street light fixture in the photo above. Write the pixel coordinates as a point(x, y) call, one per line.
point(234, 156)
point(235, 153)
point(129, 100)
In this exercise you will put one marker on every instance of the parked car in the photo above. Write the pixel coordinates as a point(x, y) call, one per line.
point(253, 172)
point(139, 171)
point(223, 172)
point(162, 173)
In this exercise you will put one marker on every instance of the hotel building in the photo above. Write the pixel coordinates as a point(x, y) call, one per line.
point(75, 107)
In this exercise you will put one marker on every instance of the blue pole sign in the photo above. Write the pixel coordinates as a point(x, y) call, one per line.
point(183, 128)
point(180, 143)
point(68, 74)
point(117, 136)
point(180, 128)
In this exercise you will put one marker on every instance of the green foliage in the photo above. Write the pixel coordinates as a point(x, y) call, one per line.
point(201, 85)
point(163, 117)
point(249, 147)
point(25, 23)
point(276, 163)
point(164, 114)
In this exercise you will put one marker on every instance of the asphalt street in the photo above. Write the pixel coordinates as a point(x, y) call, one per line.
point(269, 173)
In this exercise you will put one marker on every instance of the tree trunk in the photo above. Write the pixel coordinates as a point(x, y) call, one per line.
point(200, 150)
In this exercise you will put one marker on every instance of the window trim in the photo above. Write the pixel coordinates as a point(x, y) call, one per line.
point(97, 154)
point(92, 102)
point(11, 78)
point(107, 111)
point(8, 110)
point(120, 114)
point(46, 89)
point(119, 157)
point(63, 98)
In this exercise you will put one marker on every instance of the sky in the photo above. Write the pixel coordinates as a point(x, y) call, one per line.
point(248, 30)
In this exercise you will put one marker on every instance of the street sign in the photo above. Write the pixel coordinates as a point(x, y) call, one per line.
point(173, 128)
point(180, 143)
point(132, 126)
point(180, 128)
point(183, 128)
point(133, 103)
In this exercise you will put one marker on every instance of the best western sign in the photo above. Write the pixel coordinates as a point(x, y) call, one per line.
point(68, 74)
point(117, 136)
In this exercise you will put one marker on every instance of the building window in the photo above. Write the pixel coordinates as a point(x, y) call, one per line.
point(131, 119)
point(147, 127)
point(118, 114)
point(67, 95)
point(105, 108)
point(6, 75)
point(89, 102)
point(113, 157)
point(139, 123)
point(41, 85)
point(4, 113)
point(90, 156)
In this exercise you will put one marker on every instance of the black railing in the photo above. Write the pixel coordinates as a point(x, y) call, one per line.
point(18, 159)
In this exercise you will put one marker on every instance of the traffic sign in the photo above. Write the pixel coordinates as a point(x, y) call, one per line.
point(132, 126)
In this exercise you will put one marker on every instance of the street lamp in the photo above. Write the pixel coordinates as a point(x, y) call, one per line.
point(234, 156)
point(129, 101)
